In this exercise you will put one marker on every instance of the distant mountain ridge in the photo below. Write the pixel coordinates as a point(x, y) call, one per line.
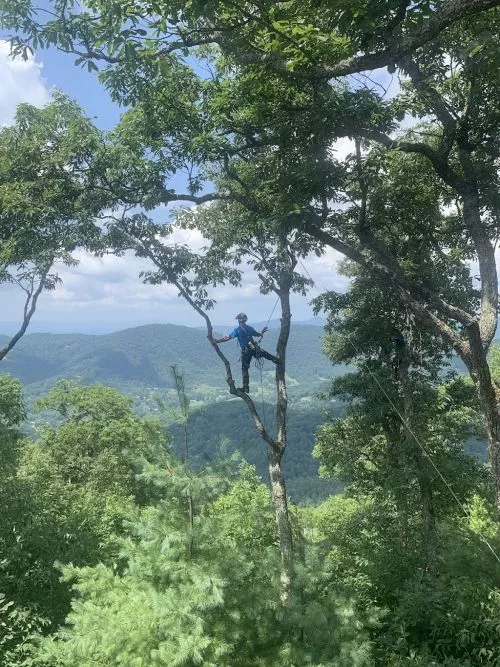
point(100, 328)
point(275, 324)
point(138, 362)
point(143, 357)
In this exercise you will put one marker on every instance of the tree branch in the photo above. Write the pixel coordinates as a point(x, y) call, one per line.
point(229, 376)
point(28, 311)
point(184, 292)
point(437, 101)
point(167, 197)
point(401, 46)
point(439, 162)
point(409, 291)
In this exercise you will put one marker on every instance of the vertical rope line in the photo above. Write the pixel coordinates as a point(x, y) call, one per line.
point(417, 440)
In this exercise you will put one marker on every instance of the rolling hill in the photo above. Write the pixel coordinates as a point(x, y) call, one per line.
point(141, 358)
point(138, 362)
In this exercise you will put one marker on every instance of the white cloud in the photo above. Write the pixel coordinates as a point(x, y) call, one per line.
point(109, 289)
point(324, 272)
point(193, 238)
point(342, 148)
point(22, 81)
point(102, 284)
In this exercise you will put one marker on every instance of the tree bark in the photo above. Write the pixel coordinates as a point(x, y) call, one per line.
point(475, 358)
point(424, 481)
point(486, 258)
point(468, 333)
point(399, 467)
point(491, 418)
point(278, 491)
point(29, 310)
point(277, 445)
point(428, 513)
point(282, 403)
point(278, 488)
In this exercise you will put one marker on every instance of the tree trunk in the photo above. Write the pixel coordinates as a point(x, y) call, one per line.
point(29, 310)
point(475, 358)
point(274, 456)
point(278, 491)
point(491, 418)
point(429, 525)
point(399, 467)
point(417, 455)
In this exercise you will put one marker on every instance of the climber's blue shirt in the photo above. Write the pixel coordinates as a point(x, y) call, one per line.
point(244, 334)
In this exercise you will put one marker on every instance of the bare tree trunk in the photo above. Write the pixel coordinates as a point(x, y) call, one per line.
point(281, 283)
point(400, 468)
point(491, 419)
point(475, 358)
point(32, 295)
point(278, 490)
point(429, 525)
point(274, 457)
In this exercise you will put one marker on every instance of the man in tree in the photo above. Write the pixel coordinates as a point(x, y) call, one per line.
point(249, 348)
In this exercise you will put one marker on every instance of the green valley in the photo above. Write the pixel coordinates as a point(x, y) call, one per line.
point(138, 363)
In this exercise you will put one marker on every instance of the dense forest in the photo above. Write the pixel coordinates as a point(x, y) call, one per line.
point(161, 507)
point(138, 362)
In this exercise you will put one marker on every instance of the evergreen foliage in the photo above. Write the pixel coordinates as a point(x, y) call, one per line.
point(165, 565)
point(218, 607)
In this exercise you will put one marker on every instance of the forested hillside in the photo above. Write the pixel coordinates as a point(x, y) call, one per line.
point(250, 149)
point(218, 429)
point(138, 363)
point(139, 360)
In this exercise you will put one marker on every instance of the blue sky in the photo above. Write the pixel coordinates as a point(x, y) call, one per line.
point(106, 294)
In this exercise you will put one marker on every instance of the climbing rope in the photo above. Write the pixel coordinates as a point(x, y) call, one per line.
point(272, 311)
point(259, 363)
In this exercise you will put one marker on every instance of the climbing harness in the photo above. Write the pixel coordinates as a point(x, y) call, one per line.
point(254, 347)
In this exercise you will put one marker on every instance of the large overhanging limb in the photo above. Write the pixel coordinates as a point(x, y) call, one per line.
point(426, 316)
point(407, 288)
point(400, 46)
point(436, 100)
point(131, 196)
point(437, 159)
point(464, 185)
point(168, 197)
